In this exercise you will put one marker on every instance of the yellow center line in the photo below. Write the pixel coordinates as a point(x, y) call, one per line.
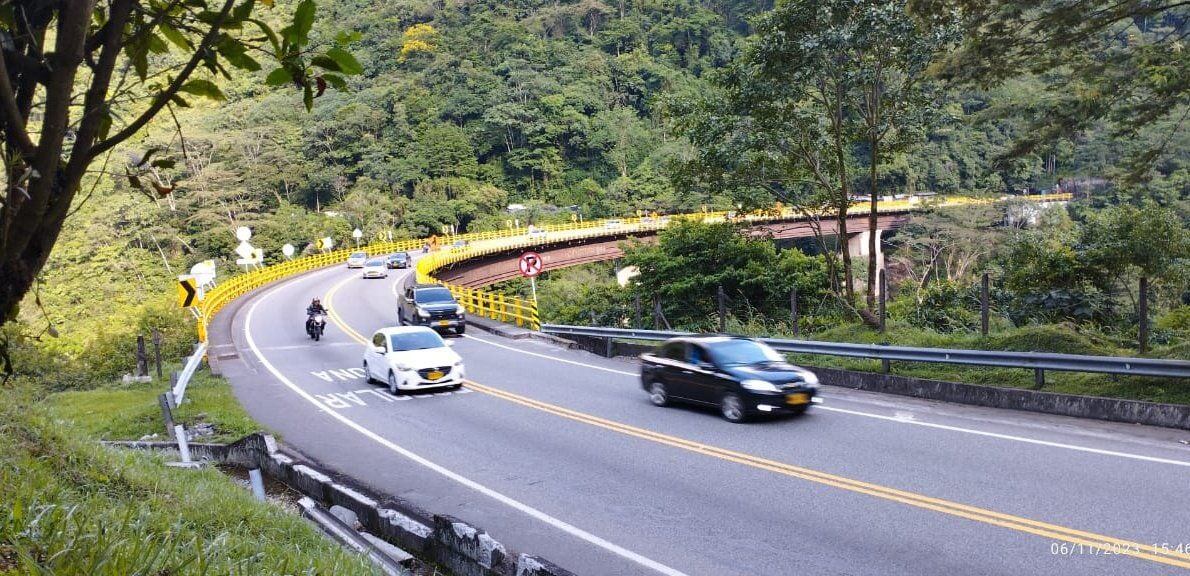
point(1101, 542)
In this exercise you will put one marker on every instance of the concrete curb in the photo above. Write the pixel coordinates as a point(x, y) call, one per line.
point(465, 549)
point(1091, 407)
point(516, 332)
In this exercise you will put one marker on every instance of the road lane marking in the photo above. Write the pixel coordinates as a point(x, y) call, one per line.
point(498, 496)
point(1105, 543)
point(914, 422)
point(547, 357)
point(899, 420)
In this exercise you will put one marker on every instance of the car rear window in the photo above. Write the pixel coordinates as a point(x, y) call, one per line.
point(416, 341)
point(375, 262)
point(359, 255)
point(430, 295)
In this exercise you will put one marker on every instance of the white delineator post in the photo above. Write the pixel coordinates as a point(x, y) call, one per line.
point(257, 482)
point(183, 447)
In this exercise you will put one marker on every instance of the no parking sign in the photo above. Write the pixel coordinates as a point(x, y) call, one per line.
point(530, 264)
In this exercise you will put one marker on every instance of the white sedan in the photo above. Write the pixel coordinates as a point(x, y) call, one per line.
point(357, 259)
point(412, 358)
point(375, 268)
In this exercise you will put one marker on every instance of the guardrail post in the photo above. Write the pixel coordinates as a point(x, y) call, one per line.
point(166, 413)
point(983, 305)
point(793, 309)
point(1038, 378)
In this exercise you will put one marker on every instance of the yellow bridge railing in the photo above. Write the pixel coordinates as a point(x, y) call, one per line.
point(512, 309)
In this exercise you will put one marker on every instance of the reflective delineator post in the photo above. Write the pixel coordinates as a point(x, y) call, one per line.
point(183, 446)
point(257, 482)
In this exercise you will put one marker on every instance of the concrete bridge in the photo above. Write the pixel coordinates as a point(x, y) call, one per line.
point(479, 272)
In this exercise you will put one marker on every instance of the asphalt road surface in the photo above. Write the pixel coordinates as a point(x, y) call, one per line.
point(559, 453)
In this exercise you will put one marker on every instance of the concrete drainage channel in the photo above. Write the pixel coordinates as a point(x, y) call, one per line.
point(394, 539)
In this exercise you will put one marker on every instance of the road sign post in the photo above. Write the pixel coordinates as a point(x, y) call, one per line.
point(530, 265)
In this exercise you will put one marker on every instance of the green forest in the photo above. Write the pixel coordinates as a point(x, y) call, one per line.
point(446, 113)
point(138, 136)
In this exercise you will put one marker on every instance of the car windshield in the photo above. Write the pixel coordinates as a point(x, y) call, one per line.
point(375, 262)
point(420, 340)
point(359, 255)
point(398, 257)
point(434, 295)
point(742, 352)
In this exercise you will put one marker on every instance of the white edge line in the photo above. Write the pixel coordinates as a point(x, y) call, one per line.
point(525, 508)
point(889, 418)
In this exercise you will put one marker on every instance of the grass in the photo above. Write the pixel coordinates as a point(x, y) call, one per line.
point(131, 411)
point(71, 506)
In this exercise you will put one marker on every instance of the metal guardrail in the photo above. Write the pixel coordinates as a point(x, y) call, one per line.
point(188, 370)
point(1025, 360)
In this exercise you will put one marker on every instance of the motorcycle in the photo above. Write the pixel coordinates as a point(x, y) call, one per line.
point(315, 326)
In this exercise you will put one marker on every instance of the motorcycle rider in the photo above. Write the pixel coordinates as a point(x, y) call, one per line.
point(314, 308)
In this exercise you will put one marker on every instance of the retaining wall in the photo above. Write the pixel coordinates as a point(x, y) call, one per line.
point(465, 549)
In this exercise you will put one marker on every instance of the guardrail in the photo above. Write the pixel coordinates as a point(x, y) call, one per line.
point(513, 309)
point(1026, 360)
point(179, 389)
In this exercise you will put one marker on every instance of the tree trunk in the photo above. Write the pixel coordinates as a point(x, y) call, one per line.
point(873, 220)
point(20, 269)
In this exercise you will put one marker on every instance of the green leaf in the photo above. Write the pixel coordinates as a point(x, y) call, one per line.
point(204, 88)
point(298, 33)
point(177, 38)
point(326, 63)
point(241, 12)
point(345, 37)
point(237, 54)
point(347, 63)
point(335, 80)
point(308, 97)
point(105, 124)
point(272, 36)
point(278, 77)
point(157, 45)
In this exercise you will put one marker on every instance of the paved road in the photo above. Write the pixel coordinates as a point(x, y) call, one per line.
point(558, 453)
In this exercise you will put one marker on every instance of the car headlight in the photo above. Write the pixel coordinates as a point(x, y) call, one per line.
point(423, 312)
point(460, 310)
point(810, 379)
point(402, 367)
point(760, 386)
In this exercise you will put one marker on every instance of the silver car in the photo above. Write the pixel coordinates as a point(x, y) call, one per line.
point(357, 259)
point(375, 268)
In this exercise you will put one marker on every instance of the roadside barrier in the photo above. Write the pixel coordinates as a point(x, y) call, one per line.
point(513, 309)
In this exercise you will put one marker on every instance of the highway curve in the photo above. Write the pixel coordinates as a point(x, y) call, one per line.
point(558, 453)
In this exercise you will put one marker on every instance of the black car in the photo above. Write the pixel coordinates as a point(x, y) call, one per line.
point(742, 377)
point(398, 260)
point(431, 305)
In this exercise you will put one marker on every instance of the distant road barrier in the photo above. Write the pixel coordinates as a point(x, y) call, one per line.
point(523, 311)
point(1038, 361)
